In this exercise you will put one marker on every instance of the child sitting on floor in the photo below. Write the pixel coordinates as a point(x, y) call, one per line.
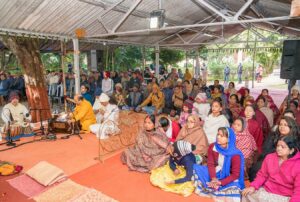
point(176, 175)
point(182, 155)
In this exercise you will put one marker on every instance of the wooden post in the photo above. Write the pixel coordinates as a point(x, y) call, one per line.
point(295, 8)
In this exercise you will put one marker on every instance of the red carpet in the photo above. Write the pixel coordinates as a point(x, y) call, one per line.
point(113, 179)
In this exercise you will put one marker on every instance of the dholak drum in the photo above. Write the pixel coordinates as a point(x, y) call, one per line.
point(27, 130)
point(15, 130)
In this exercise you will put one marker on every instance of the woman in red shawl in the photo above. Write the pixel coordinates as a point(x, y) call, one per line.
point(254, 127)
point(271, 104)
point(259, 117)
point(295, 95)
point(234, 106)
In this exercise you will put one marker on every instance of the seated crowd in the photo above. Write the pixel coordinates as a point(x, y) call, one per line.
point(219, 137)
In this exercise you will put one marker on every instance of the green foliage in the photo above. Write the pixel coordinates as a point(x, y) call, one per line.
point(169, 56)
point(269, 57)
point(127, 57)
point(217, 63)
point(203, 53)
point(51, 61)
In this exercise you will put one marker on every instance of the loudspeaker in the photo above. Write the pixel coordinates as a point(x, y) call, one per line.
point(290, 60)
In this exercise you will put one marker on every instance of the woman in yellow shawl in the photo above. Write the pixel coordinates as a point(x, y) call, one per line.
point(187, 76)
point(157, 100)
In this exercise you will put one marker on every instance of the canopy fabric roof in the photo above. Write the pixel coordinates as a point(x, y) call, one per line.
point(127, 21)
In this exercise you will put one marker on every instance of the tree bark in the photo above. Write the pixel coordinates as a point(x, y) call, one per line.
point(28, 55)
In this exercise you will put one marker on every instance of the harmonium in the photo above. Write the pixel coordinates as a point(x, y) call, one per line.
point(59, 124)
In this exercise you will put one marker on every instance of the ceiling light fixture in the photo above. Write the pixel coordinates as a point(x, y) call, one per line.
point(157, 19)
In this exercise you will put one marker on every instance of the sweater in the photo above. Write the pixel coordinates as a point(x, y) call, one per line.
point(281, 179)
point(212, 163)
point(187, 162)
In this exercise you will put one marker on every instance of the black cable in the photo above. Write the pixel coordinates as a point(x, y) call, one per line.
point(19, 145)
point(38, 140)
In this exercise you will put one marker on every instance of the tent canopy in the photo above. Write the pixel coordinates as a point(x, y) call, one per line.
point(188, 23)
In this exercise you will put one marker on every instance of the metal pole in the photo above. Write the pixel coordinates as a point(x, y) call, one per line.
point(210, 7)
point(253, 68)
point(244, 7)
point(257, 20)
point(144, 58)
point(76, 65)
point(63, 51)
point(156, 60)
point(106, 61)
point(197, 68)
point(186, 60)
point(112, 60)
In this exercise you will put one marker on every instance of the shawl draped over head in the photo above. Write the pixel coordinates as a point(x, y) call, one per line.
point(195, 136)
point(178, 99)
point(235, 110)
point(148, 153)
point(228, 153)
point(156, 99)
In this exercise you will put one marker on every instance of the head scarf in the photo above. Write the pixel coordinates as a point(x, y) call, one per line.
point(182, 148)
point(186, 131)
point(119, 85)
point(106, 73)
point(242, 91)
point(297, 88)
point(13, 95)
point(202, 97)
point(189, 104)
point(103, 98)
point(228, 153)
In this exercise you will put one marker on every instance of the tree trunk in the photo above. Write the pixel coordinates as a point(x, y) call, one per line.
point(28, 55)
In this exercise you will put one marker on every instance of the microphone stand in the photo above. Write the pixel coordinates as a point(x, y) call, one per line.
point(42, 128)
point(9, 142)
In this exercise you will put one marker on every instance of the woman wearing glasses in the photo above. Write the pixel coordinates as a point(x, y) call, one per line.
point(287, 126)
point(193, 133)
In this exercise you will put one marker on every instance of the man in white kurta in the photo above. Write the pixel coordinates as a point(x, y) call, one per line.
point(107, 116)
point(16, 113)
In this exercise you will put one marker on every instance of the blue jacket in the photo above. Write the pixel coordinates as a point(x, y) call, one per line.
point(168, 92)
point(187, 162)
